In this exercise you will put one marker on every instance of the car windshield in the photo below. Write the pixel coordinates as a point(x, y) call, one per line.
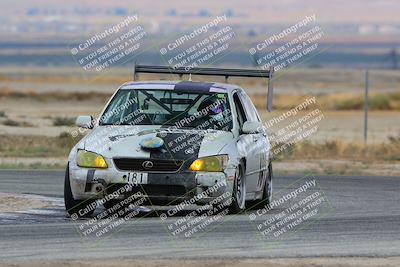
point(183, 109)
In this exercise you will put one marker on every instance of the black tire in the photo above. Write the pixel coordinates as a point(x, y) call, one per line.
point(73, 206)
point(239, 191)
point(267, 191)
point(112, 203)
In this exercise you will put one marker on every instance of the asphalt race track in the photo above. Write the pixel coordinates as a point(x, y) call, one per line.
point(362, 220)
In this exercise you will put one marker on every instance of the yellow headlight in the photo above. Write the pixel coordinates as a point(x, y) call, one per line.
point(210, 164)
point(89, 159)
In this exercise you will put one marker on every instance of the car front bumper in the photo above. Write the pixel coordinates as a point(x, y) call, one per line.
point(160, 189)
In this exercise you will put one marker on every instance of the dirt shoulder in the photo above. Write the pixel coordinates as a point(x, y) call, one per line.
point(13, 203)
point(337, 167)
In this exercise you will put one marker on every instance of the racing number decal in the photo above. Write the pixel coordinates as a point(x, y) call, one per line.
point(135, 178)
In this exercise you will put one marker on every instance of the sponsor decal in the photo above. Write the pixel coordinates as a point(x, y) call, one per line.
point(151, 142)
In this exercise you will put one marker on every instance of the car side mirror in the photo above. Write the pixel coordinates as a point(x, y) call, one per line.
point(252, 127)
point(84, 122)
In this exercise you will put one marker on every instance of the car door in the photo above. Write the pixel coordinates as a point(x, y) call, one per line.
point(258, 148)
point(247, 146)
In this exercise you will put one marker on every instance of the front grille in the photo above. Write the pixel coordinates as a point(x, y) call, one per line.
point(151, 189)
point(158, 165)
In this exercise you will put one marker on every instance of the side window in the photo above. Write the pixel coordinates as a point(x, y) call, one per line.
point(249, 108)
point(241, 115)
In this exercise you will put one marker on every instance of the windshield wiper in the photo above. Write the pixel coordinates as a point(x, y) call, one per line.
point(107, 124)
point(119, 124)
point(180, 127)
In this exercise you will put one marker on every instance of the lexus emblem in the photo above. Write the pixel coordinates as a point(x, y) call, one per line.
point(147, 164)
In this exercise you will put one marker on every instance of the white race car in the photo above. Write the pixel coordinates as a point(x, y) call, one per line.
point(172, 141)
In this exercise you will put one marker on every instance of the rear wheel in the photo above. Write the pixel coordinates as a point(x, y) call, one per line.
point(239, 191)
point(73, 206)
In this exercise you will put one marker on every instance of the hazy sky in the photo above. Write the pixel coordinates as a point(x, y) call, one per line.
point(355, 11)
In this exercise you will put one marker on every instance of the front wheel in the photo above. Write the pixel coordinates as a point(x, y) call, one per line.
point(239, 191)
point(72, 206)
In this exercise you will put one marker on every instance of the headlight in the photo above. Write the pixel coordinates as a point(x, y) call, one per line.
point(210, 164)
point(90, 160)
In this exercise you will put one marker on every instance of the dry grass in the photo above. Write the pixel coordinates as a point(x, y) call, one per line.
point(41, 146)
point(14, 123)
point(63, 121)
point(345, 151)
point(73, 78)
point(53, 96)
point(36, 146)
point(338, 101)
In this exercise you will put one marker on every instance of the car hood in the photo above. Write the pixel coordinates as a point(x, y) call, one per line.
point(124, 141)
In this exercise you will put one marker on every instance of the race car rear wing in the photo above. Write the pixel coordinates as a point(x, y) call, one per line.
point(211, 72)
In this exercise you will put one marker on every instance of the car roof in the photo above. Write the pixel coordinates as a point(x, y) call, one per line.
point(205, 87)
